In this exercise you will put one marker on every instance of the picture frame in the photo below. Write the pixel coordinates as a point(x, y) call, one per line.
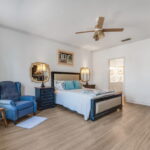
point(65, 57)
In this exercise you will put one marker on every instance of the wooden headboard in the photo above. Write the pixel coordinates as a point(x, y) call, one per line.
point(63, 76)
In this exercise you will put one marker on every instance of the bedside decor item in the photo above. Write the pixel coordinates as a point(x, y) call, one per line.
point(2, 112)
point(40, 72)
point(44, 97)
point(65, 58)
point(85, 74)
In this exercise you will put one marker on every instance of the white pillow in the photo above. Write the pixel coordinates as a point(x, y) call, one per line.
point(59, 85)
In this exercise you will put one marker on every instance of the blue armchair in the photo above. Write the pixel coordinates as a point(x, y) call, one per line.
point(16, 106)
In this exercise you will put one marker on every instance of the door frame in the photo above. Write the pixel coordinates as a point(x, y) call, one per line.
point(123, 71)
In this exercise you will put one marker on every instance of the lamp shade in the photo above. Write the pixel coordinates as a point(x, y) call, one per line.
point(85, 74)
point(41, 67)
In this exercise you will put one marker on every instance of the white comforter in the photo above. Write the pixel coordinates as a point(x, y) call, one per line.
point(78, 100)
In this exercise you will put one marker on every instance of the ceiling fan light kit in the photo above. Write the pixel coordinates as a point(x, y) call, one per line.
point(98, 35)
point(99, 30)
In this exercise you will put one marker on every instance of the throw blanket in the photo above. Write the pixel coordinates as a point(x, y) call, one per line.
point(94, 92)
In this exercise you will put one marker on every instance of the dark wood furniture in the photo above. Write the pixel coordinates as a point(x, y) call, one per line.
point(45, 97)
point(100, 105)
point(2, 111)
point(91, 86)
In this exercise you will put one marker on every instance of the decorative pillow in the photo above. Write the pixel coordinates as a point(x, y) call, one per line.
point(9, 91)
point(77, 84)
point(59, 85)
point(69, 85)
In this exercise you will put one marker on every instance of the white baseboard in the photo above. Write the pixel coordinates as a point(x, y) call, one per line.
point(139, 103)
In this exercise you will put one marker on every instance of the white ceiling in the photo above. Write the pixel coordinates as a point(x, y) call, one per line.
point(60, 19)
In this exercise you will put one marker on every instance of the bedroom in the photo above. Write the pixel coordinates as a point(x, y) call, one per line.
point(34, 31)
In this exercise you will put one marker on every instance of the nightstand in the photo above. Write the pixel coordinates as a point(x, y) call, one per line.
point(91, 86)
point(45, 97)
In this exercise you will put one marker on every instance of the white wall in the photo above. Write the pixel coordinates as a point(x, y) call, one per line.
point(137, 69)
point(18, 51)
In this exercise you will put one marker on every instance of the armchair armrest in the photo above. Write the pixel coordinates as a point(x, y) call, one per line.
point(10, 109)
point(7, 102)
point(30, 98)
point(27, 98)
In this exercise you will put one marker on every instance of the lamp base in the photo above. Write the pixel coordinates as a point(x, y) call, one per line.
point(42, 85)
point(87, 83)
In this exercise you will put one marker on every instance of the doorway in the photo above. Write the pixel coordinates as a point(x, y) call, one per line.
point(116, 74)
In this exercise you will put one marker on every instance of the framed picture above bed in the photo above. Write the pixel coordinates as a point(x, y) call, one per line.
point(65, 57)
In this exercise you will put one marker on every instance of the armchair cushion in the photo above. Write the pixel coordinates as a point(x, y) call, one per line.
point(7, 102)
point(8, 90)
point(20, 105)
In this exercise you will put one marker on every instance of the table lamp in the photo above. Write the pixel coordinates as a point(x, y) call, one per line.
point(42, 69)
point(85, 74)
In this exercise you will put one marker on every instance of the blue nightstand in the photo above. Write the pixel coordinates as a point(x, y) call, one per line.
point(45, 97)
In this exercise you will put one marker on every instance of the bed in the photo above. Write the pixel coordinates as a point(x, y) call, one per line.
point(90, 103)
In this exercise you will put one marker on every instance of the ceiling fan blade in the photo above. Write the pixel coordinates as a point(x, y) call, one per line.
point(100, 22)
point(101, 34)
point(113, 30)
point(85, 31)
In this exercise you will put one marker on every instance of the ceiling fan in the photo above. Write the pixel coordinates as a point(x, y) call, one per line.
point(99, 30)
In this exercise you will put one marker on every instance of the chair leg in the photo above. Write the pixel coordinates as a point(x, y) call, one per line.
point(4, 118)
point(15, 122)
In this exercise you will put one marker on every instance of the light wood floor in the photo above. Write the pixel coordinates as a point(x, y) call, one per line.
point(65, 130)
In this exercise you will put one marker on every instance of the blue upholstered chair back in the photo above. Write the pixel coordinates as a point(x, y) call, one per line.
point(10, 90)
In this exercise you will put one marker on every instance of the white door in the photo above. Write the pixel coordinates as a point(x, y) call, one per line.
point(116, 74)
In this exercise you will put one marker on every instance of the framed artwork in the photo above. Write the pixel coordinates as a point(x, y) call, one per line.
point(65, 58)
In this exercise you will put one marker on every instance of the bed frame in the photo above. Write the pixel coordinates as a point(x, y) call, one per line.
point(100, 106)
